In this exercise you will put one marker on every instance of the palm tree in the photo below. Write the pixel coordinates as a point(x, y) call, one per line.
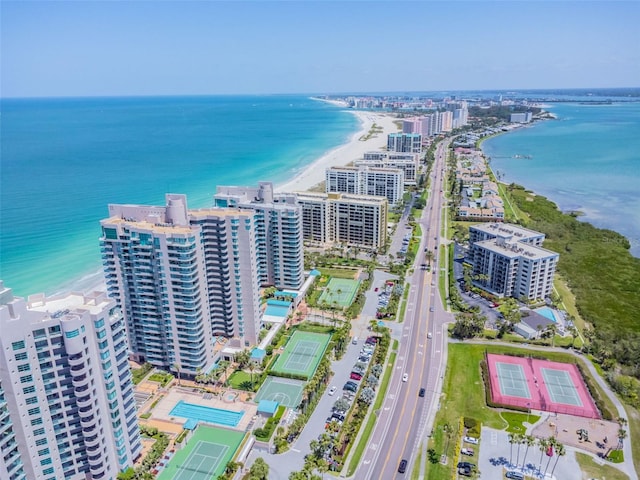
point(529, 440)
point(560, 452)
point(543, 444)
point(512, 440)
point(517, 438)
point(176, 367)
point(552, 444)
point(622, 434)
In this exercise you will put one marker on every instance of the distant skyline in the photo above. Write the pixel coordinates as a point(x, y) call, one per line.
point(109, 48)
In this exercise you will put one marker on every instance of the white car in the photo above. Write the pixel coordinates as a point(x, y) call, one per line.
point(471, 440)
point(333, 390)
point(429, 335)
point(405, 377)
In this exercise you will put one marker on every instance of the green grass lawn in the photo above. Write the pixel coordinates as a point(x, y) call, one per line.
point(516, 420)
point(239, 379)
point(596, 471)
point(339, 272)
point(163, 378)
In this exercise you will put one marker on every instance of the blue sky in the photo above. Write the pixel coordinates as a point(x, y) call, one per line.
point(56, 48)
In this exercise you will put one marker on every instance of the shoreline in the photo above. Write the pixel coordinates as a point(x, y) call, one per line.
point(354, 149)
point(308, 177)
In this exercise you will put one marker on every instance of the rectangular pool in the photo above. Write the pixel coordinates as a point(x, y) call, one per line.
point(228, 418)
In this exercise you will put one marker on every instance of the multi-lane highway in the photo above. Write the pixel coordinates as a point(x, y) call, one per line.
point(405, 416)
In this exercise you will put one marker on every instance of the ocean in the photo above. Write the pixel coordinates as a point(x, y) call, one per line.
point(65, 160)
point(586, 160)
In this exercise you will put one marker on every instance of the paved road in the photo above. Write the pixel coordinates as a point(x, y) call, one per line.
point(405, 417)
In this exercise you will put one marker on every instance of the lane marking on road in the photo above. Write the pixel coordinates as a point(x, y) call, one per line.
point(373, 446)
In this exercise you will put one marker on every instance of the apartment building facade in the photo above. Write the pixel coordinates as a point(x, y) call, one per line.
point(404, 142)
point(280, 254)
point(339, 218)
point(182, 278)
point(66, 395)
point(365, 180)
point(508, 261)
point(407, 162)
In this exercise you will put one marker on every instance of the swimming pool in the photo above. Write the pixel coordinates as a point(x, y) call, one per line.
point(229, 418)
point(277, 308)
point(547, 313)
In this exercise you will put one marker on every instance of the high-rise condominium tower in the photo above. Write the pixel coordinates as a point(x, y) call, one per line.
point(66, 397)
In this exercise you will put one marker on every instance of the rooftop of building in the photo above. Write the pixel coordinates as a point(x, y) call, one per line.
point(164, 228)
point(516, 231)
point(95, 302)
point(514, 249)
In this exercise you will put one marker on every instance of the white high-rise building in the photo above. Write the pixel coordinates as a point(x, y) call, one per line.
point(280, 255)
point(366, 180)
point(407, 162)
point(339, 218)
point(182, 278)
point(66, 397)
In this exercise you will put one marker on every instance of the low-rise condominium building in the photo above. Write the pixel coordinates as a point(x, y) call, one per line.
point(508, 261)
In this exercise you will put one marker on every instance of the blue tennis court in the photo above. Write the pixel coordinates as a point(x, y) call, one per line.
point(229, 418)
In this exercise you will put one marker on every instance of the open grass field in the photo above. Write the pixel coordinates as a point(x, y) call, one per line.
point(463, 368)
point(596, 471)
point(348, 273)
point(205, 456)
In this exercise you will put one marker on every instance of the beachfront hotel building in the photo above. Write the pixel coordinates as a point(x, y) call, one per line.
point(407, 162)
point(279, 249)
point(182, 278)
point(366, 180)
point(404, 142)
point(509, 261)
point(66, 396)
point(339, 218)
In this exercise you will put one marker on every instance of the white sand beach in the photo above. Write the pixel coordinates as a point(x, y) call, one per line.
point(342, 155)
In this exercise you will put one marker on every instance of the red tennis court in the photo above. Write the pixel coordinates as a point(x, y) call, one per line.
point(539, 385)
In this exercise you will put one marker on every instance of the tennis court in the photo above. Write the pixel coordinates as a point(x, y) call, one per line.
point(303, 352)
point(561, 387)
point(342, 291)
point(539, 385)
point(205, 456)
point(285, 391)
point(513, 381)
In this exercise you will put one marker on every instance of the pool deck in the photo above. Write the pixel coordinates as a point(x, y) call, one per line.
point(162, 411)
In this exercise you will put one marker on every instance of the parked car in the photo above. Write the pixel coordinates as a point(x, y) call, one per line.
point(471, 440)
point(350, 386)
point(467, 451)
point(466, 465)
point(355, 376)
point(332, 390)
point(514, 475)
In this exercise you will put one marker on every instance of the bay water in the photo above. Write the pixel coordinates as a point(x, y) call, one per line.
point(587, 160)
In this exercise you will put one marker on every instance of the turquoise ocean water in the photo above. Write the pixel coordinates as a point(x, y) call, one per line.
point(65, 160)
point(587, 160)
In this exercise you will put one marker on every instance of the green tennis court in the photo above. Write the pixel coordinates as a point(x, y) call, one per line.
point(205, 456)
point(285, 391)
point(302, 354)
point(342, 291)
point(560, 386)
point(513, 381)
